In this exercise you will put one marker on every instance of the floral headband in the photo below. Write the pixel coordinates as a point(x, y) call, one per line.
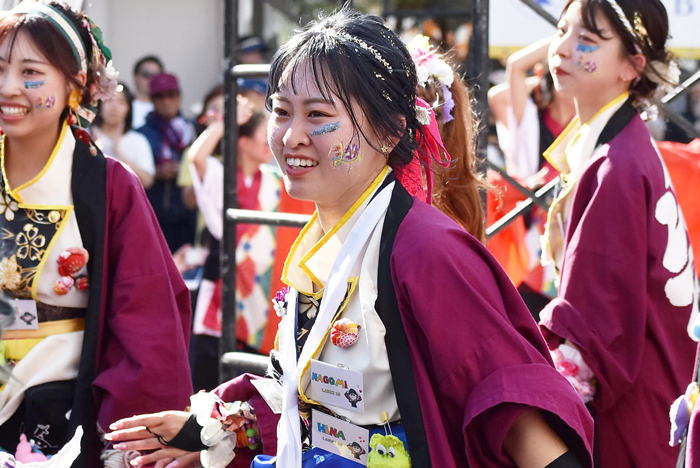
point(106, 85)
point(428, 64)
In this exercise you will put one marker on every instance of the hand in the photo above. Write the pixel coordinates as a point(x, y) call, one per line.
point(179, 258)
point(244, 110)
point(147, 431)
point(188, 460)
point(167, 170)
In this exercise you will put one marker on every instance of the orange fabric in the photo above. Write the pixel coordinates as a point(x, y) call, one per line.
point(285, 237)
point(683, 163)
point(508, 246)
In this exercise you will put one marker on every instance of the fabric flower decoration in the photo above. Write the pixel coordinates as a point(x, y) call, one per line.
point(10, 276)
point(279, 303)
point(429, 64)
point(681, 409)
point(569, 362)
point(106, 82)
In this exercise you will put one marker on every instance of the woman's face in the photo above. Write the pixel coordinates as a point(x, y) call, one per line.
point(33, 93)
point(586, 66)
point(114, 110)
point(322, 156)
point(255, 147)
point(214, 109)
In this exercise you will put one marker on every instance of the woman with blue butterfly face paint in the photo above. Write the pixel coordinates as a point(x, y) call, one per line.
point(394, 319)
point(618, 328)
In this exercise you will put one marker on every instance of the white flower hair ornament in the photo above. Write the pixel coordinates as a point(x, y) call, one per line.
point(428, 64)
point(667, 77)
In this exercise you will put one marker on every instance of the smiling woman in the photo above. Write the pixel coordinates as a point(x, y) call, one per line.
point(386, 298)
point(78, 231)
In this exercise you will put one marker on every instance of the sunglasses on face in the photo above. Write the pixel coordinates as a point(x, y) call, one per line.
point(166, 95)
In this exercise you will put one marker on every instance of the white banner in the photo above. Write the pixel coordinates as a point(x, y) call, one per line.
point(514, 25)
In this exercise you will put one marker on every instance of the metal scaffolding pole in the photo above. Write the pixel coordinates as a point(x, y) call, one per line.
point(228, 240)
point(478, 70)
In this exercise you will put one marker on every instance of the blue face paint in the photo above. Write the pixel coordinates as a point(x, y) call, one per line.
point(328, 128)
point(33, 84)
point(586, 49)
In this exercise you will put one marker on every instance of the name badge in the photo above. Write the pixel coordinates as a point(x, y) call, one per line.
point(337, 386)
point(26, 316)
point(340, 437)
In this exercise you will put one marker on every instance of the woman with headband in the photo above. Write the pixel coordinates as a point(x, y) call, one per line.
point(81, 254)
point(618, 328)
point(400, 336)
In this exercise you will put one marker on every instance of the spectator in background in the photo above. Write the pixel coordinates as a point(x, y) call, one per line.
point(169, 133)
point(114, 135)
point(144, 70)
point(253, 50)
point(530, 114)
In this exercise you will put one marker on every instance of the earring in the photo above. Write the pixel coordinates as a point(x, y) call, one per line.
point(385, 149)
point(74, 99)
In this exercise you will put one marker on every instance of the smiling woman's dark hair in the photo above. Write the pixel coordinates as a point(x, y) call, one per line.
point(356, 58)
point(651, 42)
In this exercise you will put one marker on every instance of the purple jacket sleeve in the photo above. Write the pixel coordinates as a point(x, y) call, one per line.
point(478, 356)
point(602, 303)
point(142, 360)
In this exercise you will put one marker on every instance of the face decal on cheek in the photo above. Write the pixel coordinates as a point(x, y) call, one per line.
point(345, 155)
point(590, 67)
point(581, 58)
point(328, 128)
point(45, 102)
point(587, 49)
point(33, 84)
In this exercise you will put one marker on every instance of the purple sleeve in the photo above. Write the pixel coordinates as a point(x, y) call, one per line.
point(478, 355)
point(142, 362)
point(240, 389)
point(603, 300)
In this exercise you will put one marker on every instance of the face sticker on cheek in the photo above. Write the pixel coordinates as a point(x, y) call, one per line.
point(581, 59)
point(328, 128)
point(46, 102)
point(345, 155)
point(33, 84)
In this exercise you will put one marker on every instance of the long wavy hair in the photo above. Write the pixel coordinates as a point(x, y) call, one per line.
point(457, 188)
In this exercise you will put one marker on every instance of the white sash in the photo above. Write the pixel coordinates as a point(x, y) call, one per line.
point(289, 431)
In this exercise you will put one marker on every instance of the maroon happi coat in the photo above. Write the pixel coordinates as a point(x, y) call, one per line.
point(477, 356)
point(616, 298)
point(134, 357)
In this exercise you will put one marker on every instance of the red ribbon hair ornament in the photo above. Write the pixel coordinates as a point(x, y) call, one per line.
point(429, 146)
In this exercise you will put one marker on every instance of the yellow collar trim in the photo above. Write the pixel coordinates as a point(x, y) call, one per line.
point(326, 237)
point(15, 192)
point(573, 124)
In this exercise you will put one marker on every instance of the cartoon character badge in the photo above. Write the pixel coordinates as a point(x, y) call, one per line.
point(353, 397)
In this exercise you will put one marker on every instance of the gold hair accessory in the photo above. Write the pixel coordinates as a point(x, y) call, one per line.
point(640, 29)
